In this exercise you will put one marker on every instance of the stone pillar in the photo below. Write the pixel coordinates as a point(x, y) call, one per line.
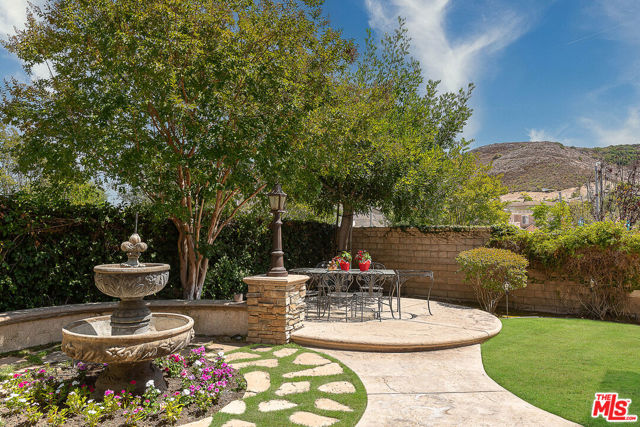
point(276, 307)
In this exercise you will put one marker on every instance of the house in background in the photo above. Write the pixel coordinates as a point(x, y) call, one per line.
point(522, 214)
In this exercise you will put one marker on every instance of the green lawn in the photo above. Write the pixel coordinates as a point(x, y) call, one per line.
point(559, 364)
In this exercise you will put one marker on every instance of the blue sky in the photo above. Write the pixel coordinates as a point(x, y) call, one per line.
point(564, 70)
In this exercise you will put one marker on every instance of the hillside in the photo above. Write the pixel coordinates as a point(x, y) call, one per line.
point(532, 166)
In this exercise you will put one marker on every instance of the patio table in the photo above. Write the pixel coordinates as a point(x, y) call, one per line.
point(336, 283)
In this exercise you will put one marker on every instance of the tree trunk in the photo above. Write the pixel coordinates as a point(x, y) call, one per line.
point(344, 232)
point(193, 266)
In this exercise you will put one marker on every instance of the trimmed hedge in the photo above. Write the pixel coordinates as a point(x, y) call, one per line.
point(48, 250)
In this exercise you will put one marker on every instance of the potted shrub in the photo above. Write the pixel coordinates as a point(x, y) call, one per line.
point(363, 258)
point(345, 261)
point(491, 272)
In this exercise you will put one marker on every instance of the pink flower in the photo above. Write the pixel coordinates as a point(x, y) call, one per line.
point(108, 392)
point(132, 382)
point(16, 375)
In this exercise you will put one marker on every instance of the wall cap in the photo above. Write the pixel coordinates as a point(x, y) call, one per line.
point(40, 313)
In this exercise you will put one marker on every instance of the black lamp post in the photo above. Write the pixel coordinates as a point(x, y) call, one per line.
point(277, 202)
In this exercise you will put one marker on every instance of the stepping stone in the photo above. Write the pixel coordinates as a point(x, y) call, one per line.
point(311, 359)
point(205, 422)
point(337, 387)
point(284, 352)
point(235, 407)
point(331, 405)
point(267, 363)
point(262, 348)
point(311, 420)
point(330, 369)
point(275, 405)
point(292, 388)
point(257, 381)
point(238, 423)
point(248, 394)
point(239, 356)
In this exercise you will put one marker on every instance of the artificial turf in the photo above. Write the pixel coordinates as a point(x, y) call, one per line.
point(305, 401)
point(559, 364)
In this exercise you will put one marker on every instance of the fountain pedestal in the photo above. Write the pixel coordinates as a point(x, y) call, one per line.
point(132, 336)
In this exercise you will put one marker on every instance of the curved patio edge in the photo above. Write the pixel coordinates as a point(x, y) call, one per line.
point(450, 326)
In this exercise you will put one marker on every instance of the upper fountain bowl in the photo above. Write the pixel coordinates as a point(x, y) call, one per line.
point(127, 282)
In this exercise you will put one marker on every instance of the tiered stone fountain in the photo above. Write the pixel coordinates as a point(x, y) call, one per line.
point(131, 337)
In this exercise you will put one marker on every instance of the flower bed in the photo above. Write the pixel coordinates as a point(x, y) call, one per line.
point(64, 395)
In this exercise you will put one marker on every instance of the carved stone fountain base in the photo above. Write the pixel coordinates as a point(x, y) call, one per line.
point(119, 376)
point(129, 356)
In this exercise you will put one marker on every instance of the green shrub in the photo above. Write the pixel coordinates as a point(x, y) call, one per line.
point(603, 256)
point(48, 250)
point(224, 278)
point(491, 272)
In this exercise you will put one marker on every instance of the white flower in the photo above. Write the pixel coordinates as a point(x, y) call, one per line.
point(170, 399)
point(75, 382)
point(221, 354)
point(91, 412)
point(60, 386)
point(197, 363)
point(150, 383)
point(90, 400)
point(186, 392)
point(23, 400)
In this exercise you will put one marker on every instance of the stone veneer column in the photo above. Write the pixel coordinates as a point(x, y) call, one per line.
point(276, 307)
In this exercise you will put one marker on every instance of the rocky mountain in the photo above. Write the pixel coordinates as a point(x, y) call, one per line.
point(534, 166)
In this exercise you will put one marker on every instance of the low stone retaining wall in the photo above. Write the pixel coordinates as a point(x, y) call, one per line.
point(410, 248)
point(27, 328)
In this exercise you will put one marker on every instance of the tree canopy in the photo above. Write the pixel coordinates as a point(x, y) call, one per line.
point(391, 141)
point(196, 103)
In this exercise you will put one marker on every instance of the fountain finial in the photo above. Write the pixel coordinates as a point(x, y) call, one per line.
point(133, 247)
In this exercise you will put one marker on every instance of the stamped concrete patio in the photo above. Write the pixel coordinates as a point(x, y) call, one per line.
point(449, 326)
point(408, 386)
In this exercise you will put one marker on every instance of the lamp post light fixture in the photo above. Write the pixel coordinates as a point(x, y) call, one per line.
point(277, 202)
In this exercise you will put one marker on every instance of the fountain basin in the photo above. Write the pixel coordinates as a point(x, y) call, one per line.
point(90, 340)
point(131, 282)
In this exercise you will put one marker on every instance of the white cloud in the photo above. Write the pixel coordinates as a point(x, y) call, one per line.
point(13, 13)
point(539, 135)
point(616, 132)
point(615, 19)
point(456, 62)
point(547, 135)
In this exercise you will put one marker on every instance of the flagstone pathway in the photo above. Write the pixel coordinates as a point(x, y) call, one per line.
point(290, 385)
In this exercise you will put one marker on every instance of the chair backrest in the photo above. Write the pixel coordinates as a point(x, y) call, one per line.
point(378, 266)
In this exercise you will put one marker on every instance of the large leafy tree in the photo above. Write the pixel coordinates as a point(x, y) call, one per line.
point(376, 143)
point(195, 103)
point(451, 187)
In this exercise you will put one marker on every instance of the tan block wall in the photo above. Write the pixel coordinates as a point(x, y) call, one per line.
point(412, 249)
